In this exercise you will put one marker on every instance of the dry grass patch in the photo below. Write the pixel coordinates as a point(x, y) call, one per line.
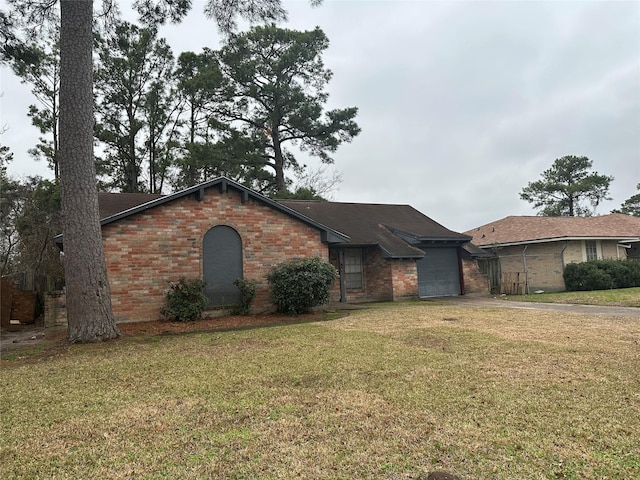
point(622, 297)
point(384, 393)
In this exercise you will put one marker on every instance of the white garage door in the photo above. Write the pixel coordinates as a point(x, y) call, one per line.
point(438, 273)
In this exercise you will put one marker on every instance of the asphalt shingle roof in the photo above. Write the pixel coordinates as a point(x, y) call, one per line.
point(396, 229)
point(378, 224)
point(131, 204)
point(523, 229)
point(112, 203)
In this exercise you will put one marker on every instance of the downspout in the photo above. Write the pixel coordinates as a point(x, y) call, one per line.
point(526, 271)
point(566, 244)
point(343, 294)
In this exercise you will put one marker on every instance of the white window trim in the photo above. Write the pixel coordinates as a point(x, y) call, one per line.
point(598, 249)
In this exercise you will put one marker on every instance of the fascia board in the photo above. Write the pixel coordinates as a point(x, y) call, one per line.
point(558, 239)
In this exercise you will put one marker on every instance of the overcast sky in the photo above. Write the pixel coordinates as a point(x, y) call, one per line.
point(461, 104)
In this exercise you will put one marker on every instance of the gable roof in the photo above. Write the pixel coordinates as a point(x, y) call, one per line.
point(515, 230)
point(396, 229)
point(116, 206)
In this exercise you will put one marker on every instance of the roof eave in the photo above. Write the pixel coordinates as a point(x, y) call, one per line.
point(414, 239)
point(558, 239)
point(432, 240)
point(328, 235)
point(387, 254)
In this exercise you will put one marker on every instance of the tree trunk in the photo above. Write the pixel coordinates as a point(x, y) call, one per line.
point(89, 314)
point(55, 111)
point(278, 163)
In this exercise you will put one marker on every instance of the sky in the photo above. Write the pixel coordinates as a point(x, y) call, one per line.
point(461, 104)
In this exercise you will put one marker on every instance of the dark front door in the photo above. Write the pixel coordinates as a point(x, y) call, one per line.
point(222, 264)
point(439, 273)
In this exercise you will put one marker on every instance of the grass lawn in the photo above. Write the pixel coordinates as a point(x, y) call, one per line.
point(624, 297)
point(386, 393)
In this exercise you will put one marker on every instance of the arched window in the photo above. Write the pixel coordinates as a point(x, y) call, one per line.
point(222, 264)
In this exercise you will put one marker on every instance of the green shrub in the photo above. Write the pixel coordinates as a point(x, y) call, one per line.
point(617, 271)
point(602, 275)
point(633, 272)
point(185, 300)
point(247, 293)
point(301, 284)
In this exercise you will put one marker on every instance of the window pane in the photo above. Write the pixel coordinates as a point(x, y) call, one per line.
point(591, 249)
point(353, 269)
point(353, 281)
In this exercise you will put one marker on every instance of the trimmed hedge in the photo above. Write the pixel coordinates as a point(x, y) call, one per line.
point(602, 275)
point(301, 284)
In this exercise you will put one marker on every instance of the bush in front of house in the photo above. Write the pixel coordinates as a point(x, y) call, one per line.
point(300, 284)
point(185, 300)
point(623, 273)
point(247, 294)
point(602, 275)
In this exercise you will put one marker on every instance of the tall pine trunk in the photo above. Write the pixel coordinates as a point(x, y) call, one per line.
point(278, 161)
point(89, 314)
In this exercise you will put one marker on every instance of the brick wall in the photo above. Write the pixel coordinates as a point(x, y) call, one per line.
point(607, 249)
point(404, 275)
point(545, 261)
point(377, 275)
point(146, 251)
point(475, 282)
point(610, 250)
point(542, 262)
point(573, 252)
point(376, 278)
point(385, 279)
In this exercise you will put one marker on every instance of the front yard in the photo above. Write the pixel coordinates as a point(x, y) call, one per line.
point(622, 297)
point(387, 393)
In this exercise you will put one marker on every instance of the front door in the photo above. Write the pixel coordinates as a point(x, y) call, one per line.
point(222, 264)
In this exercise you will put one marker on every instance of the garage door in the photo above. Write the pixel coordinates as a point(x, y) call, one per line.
point(438, 273)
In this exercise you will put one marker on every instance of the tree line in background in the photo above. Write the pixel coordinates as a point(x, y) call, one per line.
point(165, 123)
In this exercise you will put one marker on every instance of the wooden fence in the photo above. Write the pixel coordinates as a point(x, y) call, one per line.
point(513, 283)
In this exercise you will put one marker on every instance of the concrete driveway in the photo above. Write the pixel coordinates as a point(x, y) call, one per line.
point(498, 302)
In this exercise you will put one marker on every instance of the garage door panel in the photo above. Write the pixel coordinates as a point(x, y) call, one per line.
point(438, 273)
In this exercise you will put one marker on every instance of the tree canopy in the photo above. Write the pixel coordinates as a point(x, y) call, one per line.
point(275, 89)
point(568, 188)
point(135, 107)
point(38, 64)
point(89, 311)
point(631, 205)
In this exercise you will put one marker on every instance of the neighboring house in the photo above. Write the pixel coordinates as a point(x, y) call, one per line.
point(220, 231)
point(532, 252)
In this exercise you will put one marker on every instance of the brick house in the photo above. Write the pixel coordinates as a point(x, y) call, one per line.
point(221, 230)
point(394, 252)
point(531, 252)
